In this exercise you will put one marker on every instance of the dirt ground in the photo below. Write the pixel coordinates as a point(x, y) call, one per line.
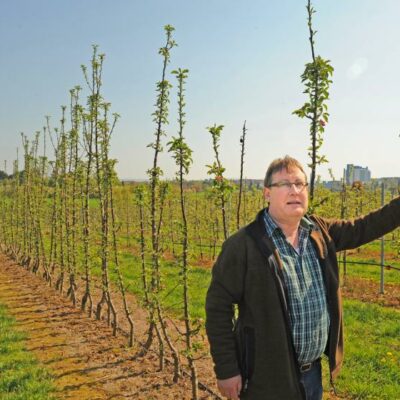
point(88, 362)
point(85, 359)
point(368, 291)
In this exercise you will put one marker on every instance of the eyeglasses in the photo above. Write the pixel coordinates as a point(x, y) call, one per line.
point(286, 185)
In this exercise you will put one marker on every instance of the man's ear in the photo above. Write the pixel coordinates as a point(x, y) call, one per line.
point(266, 193)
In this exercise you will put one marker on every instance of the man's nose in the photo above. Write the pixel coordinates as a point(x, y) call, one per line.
point(294, 188)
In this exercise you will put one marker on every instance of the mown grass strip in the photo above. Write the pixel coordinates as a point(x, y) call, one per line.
point(372, 352)
point(21, 378)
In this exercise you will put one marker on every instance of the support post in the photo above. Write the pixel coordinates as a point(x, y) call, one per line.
point(382, 288)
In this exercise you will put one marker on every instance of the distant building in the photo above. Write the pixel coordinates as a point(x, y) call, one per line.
point(356, 173)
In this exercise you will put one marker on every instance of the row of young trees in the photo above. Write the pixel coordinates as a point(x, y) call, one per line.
point(59, 215)
point(47, 206)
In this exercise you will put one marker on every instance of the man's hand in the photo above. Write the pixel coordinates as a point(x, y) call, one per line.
point(230, 387)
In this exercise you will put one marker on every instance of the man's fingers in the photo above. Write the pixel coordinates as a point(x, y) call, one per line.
point(237, 389)
point(233, 395)
point(230, 387)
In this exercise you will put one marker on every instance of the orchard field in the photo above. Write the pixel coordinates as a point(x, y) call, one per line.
point(371, 319)
point(102, 282)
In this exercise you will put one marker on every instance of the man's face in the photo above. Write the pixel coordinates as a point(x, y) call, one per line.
point(286, 203)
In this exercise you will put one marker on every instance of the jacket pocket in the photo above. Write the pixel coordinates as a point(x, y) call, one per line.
point(245, 341)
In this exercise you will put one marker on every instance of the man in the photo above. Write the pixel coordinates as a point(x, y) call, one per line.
point(282, 272)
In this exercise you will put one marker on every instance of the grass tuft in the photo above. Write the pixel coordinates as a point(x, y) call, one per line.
point(21, 378)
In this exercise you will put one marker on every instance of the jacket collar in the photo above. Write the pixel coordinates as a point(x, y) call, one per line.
point(316, 236)
point(257, 231)
point(271, 226)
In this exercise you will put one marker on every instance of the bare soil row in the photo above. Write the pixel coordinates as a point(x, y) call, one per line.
point(85, 359)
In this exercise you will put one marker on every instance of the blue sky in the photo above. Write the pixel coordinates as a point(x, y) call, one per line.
point(245, 60)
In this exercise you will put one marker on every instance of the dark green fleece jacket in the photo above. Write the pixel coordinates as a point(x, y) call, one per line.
point(248, 273)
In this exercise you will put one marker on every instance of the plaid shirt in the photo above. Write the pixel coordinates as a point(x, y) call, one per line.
point(302, 273)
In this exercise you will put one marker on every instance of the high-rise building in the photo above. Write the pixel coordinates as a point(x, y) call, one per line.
point(356, 173)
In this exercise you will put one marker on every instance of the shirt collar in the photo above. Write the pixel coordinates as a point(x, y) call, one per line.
point(271, 226)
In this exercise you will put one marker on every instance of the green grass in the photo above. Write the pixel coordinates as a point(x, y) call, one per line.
point(371, 272)
point(21, 378)
point(372, 352)
point(171, 296)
